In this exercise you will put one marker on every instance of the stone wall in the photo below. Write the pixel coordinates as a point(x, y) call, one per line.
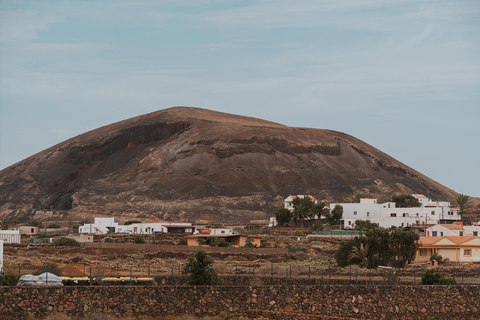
point(272, 302)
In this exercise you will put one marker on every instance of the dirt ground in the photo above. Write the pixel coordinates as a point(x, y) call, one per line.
point(316, 261)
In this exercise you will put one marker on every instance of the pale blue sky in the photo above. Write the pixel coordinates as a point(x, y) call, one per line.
point(404, 76)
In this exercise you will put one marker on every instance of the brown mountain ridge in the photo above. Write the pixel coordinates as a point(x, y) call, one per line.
point(187, 164)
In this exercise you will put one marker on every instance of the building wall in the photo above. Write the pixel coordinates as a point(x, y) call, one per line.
point(28, 230)
point(10, 236)
point(448, 253)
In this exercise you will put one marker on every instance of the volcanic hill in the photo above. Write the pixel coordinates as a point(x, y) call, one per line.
point(194, 164)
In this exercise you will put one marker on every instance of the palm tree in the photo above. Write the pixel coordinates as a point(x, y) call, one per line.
point(463, 202)
point(360, 253)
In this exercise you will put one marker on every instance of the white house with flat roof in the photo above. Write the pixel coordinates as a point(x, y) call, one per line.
point(104, 225)
point(388, 215)
point(451, 230)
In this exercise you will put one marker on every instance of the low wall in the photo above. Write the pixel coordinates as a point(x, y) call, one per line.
point(177, 248)
point(271, 302)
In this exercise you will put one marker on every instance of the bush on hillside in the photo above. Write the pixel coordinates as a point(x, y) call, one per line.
point(67, 242)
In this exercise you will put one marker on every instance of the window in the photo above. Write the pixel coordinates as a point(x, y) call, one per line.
point(467, 252)
point(433, 213)
point(393, 214)
point(368, 214)
point(441, 234)
point(423, 252)
point(223, 231)
point(434, 233)
point(349, 223)
point(461, 233)
point(475, 233)
point(405, 214)
point(354, 213)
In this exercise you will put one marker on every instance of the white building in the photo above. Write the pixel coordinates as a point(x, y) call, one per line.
point(100, 226)
point(10, 236)
point(454, 229)
point(388, 215)
point(104, 225)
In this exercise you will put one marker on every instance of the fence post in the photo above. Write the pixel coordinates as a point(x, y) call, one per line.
point(172, 276)
point(1, 276)
point(19, 270)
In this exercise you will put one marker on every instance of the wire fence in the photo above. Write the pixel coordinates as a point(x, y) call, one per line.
point(260, 274)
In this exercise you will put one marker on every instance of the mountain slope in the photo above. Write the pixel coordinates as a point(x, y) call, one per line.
point(188, 163)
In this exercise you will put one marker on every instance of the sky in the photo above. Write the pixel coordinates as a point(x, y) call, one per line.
point(401, 75)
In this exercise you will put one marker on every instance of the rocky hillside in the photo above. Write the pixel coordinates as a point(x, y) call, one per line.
point(194, 164)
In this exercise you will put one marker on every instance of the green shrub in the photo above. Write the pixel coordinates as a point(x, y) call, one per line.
point(138, 239)
point(183, 242)
point(431, 277)
point(298, 233)
point(436, 257)
point(218, 242)
point(108, 239)
point(67, 242)
point(10, 278)
point(249, 243)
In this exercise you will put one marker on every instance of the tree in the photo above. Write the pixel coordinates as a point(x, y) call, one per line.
point(405, 201)
point(463, 202)
point(360, 253)
point(393, 248)
point(365, 225)
point(200, 270)
point(283, 215)
point(337, 213)
point(249, 243)
point(306, 208)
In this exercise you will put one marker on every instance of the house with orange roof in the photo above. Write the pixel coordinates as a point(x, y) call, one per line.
point(453, 248)
point(235, 240)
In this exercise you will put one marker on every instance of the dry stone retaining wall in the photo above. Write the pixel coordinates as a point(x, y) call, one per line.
point(272, 302)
